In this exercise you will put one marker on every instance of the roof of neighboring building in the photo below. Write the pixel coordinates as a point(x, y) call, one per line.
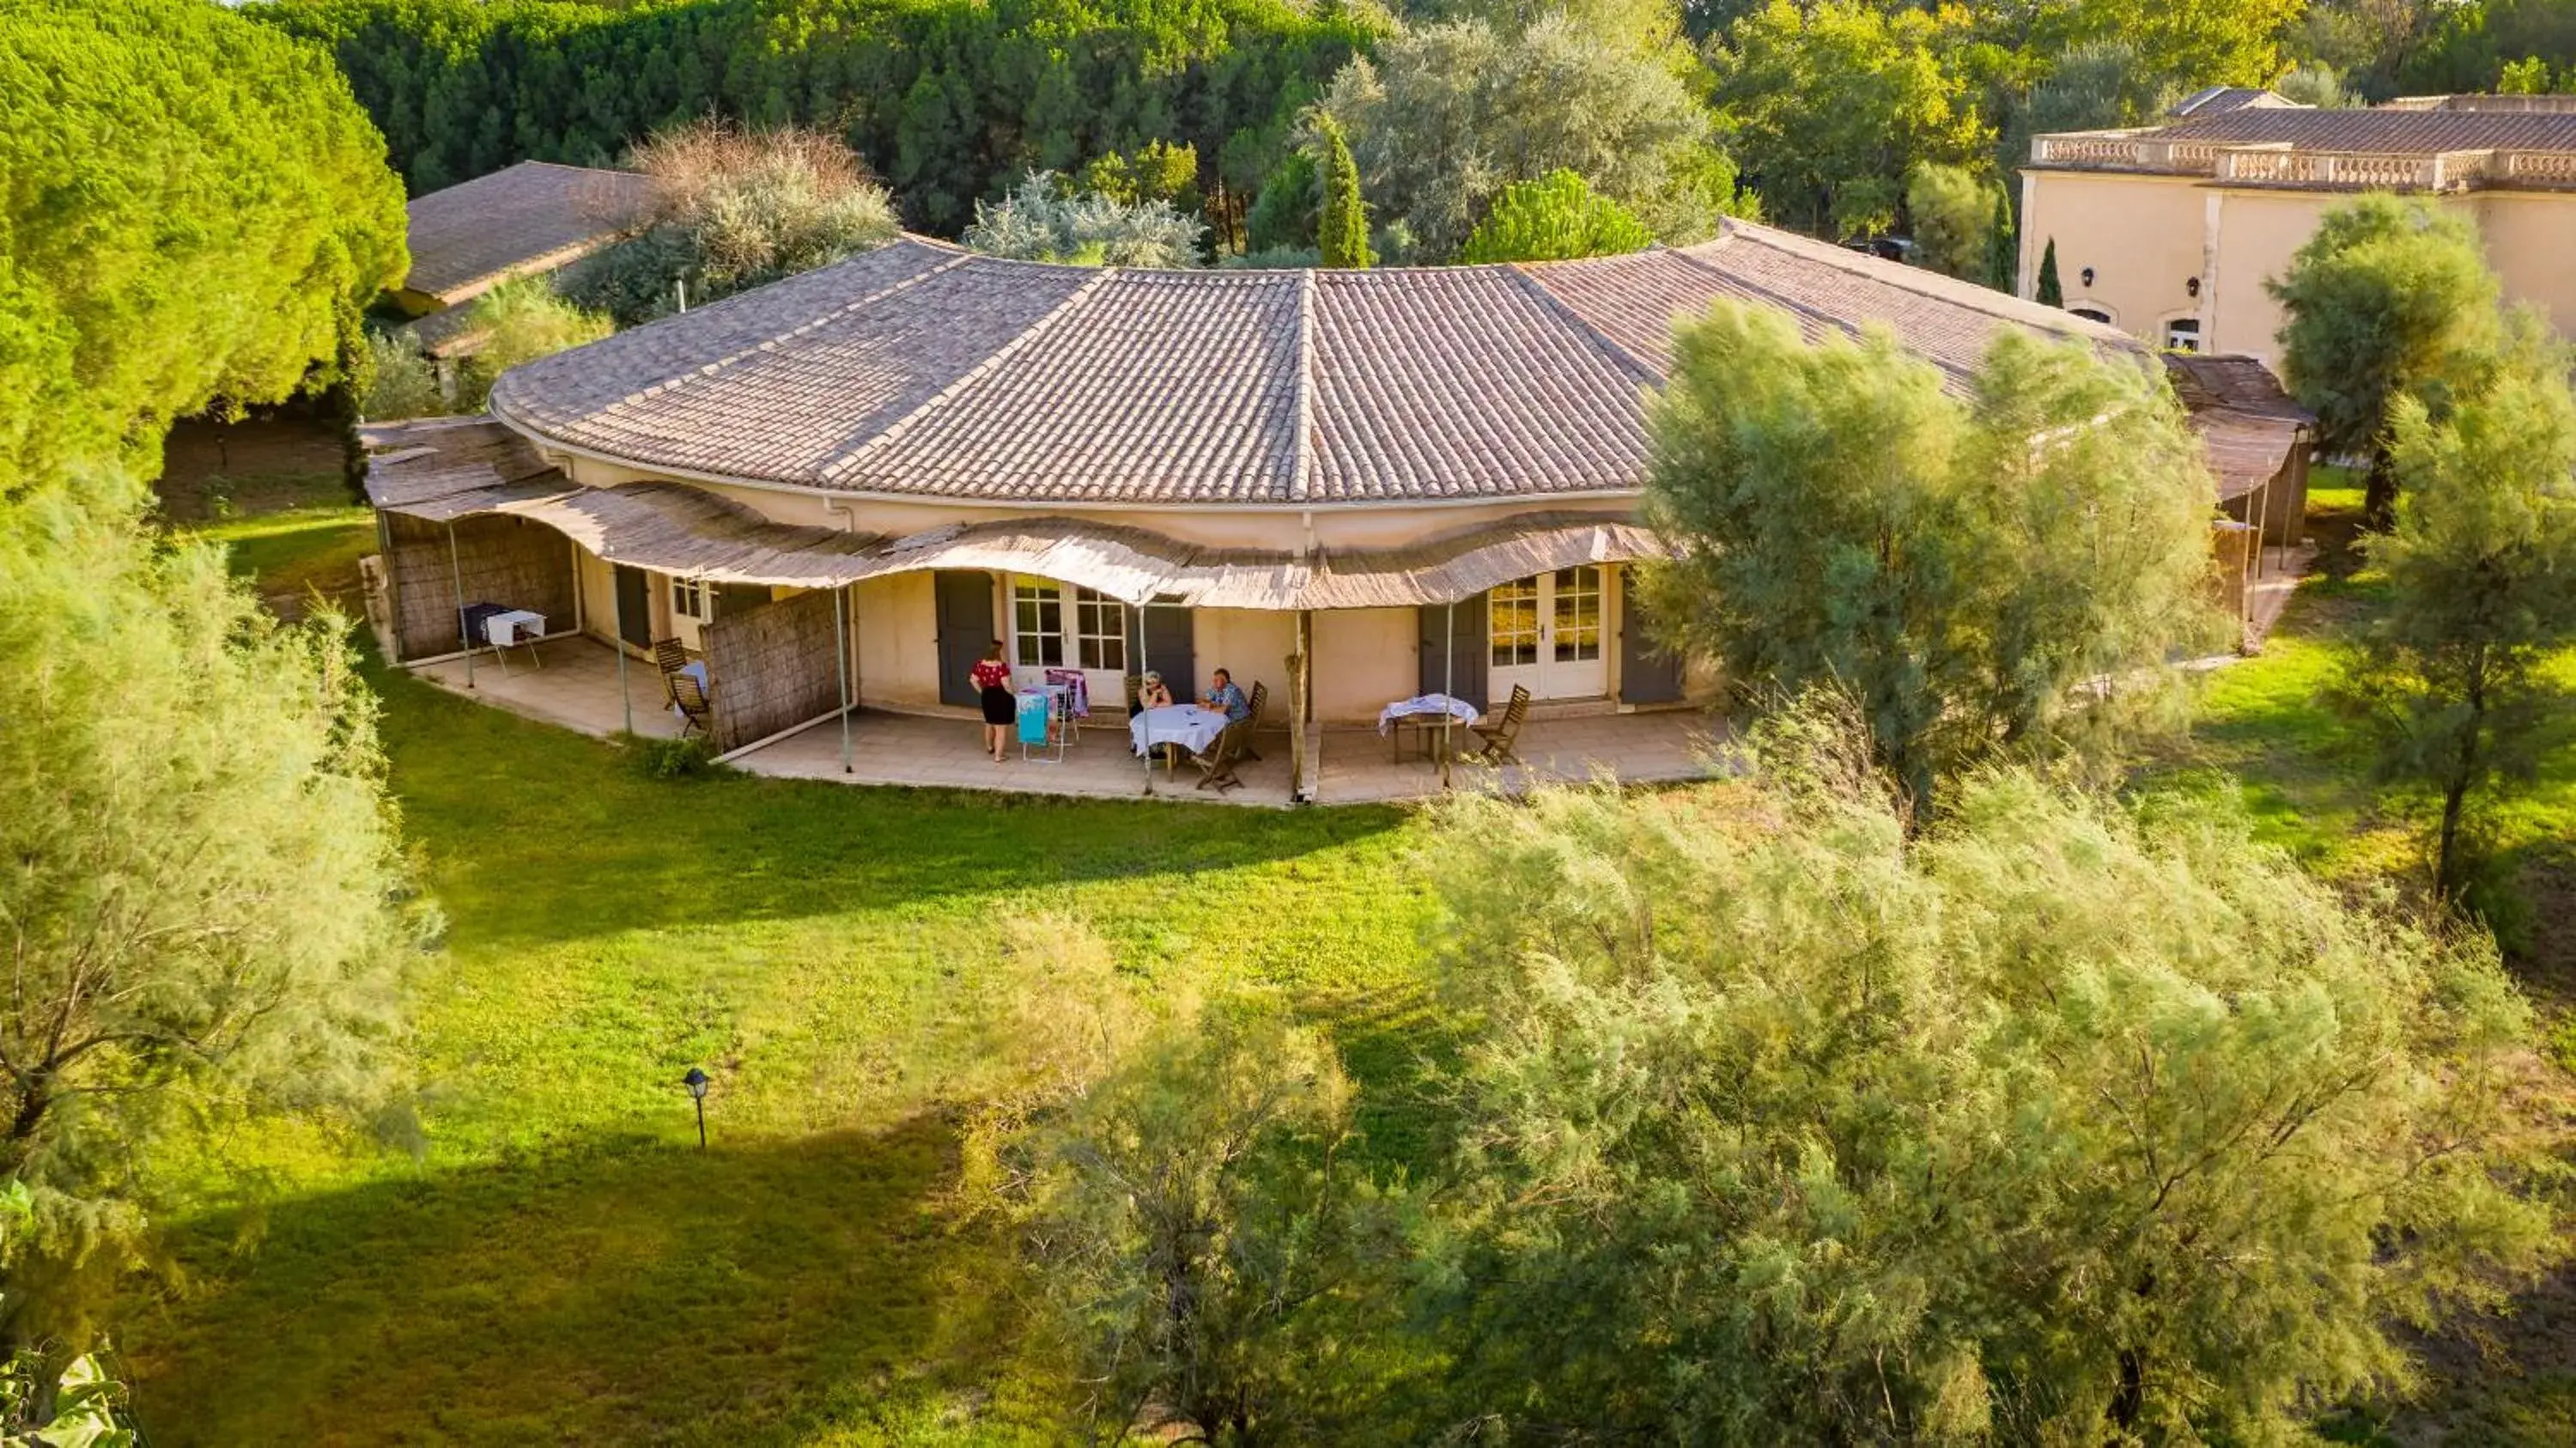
point(2248, 426)
point(528, 218)
point(919, 369)
point(2395, 132)
point(2218, 100)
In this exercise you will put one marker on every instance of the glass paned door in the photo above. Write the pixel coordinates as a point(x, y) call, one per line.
point(1545, 634)
point(1575, 667)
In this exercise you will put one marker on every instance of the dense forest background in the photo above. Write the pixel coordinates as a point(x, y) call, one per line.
point(1826, 108)
point(949, 100)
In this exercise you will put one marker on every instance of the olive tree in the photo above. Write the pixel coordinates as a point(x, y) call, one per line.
point(2003, 574)
point(2056, 1122)
point(1444, 116)
point(2390, 298)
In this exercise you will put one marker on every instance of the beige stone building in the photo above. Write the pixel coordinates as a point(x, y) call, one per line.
point(841, 486)
point(2169, 232)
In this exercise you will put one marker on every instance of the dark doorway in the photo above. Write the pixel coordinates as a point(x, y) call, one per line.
point(634, 606)
point(1169, 633)
point(1648, 674)
point(965, 631)
point(1460, 629)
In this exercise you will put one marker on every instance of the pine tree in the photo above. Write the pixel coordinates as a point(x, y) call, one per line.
point(2051, 292)
point(1343, 233)
point(2002, 256)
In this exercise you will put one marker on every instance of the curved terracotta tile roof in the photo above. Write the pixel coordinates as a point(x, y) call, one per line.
point(923, 370)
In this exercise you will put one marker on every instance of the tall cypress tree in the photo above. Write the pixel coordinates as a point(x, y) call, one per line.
point(1342, 234)
point(2002, 257)
point(2051, 292)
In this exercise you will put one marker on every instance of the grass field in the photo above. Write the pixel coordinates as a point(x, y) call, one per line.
point(539, 1252)
point(560, 1260)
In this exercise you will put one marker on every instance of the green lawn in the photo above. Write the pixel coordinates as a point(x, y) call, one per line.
point(539, 1252)
point(559, 1261)
point(294, 552)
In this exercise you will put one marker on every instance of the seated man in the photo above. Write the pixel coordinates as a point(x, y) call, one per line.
point(1227, 699)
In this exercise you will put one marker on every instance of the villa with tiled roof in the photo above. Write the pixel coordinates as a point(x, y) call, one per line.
point(1415, 480)
point(2169, 231)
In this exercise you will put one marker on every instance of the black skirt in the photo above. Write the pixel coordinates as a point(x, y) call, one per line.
point(1001, 706)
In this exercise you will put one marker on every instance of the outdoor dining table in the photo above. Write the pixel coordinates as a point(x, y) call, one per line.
point(1186, 725)
point(1428, 714)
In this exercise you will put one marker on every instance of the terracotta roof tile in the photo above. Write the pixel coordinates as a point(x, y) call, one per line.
point(530, 217)
point(919, 369)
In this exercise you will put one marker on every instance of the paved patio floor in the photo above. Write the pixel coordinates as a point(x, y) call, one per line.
point(577, 688)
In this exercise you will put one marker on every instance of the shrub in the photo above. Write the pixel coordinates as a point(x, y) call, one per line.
point(1552, 219)
point(1042, 219)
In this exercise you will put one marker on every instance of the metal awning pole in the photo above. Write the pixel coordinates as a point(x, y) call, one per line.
point(456, 579)
point(841, 661)
point(625, 700)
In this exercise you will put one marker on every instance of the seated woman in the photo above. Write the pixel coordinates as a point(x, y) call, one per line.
point(1153, 693)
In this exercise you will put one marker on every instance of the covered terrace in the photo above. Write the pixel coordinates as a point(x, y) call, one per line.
point(472, 519)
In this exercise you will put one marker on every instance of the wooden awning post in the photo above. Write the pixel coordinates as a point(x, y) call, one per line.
point(1448, 681)
point(1301, 665)
point(841, 662)
point(456, 580)
point(625, 700)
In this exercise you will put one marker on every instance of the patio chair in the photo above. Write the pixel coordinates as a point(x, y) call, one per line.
point(1217, 762)
point(670, 657)
point(1500, 738)
point(697, 715)
point(1260, 702)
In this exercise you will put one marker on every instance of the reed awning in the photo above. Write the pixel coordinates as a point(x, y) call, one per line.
point(686, 531)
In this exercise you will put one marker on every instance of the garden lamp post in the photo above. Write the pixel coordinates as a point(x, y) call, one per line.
point(696, 1081)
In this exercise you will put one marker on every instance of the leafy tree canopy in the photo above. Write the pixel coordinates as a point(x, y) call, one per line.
point(1834, 103)
point(2455, 678)
point(2055, 1124)
point(2389, 298)
point(2005, 574)
point(1953, 210)
point(191, 208)
point(204, 896)
point(1447, 115)
point(1552, 219)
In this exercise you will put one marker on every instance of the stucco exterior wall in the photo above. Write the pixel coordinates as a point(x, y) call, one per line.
point(2258, 233)
point(2145, 236)
point(1364, 658)
point(2531, 242)
point(898, 646)
point(2141, 235)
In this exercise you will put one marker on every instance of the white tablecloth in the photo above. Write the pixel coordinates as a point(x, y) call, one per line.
point(1420, 704)
point(519, 625)
point(1186, 725)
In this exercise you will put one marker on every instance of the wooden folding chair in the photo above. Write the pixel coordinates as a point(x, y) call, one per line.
point(1500, 738)
point(670, 658)
point(1217, 762)
point(1260, 702)
point(697, 715)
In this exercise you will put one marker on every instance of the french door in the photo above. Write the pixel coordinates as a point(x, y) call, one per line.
point(1545, 634)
